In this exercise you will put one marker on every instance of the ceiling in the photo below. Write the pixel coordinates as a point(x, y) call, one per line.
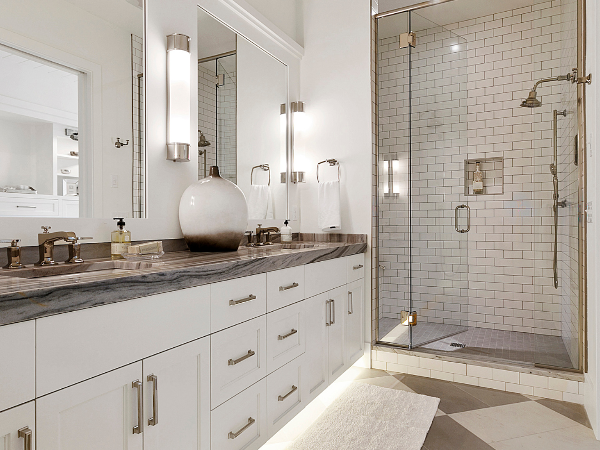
point(446, 13)
point(124, 14)
point(213, 37)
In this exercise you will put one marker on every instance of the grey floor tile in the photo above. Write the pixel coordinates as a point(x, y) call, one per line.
point(452, 399)
point(492, 397)
point(571, 410)
point(447, 434)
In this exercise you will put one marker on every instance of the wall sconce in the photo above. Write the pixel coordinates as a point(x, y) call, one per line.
point(385, 176)
point(178, 97)
point(297, 109)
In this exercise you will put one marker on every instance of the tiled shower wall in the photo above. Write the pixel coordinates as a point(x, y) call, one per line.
point(139, 155)
point(568, 184)
point(466, 106)
point(207, 123)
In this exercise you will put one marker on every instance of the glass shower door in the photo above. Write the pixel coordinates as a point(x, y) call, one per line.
point(424, 213)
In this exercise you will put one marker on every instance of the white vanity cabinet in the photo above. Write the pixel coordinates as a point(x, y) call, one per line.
point(17, 428)
point(217, 367)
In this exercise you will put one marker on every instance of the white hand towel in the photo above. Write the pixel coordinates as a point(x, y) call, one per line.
point(330, 218)
point(260, 202)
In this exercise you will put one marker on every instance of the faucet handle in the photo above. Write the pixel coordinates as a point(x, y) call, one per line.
point(46, 229)
point(12, 242)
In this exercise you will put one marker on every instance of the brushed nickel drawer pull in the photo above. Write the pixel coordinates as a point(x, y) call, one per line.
point(25, 433)
point(243, 300)
point(137, 384)
point(233, 362)
point(291, 286)
point(360, 266)
point(327, 308)
point(350, 303)
point(285, 336)
point(154, 419)
point(281, 398)
point(332, 312)
point(233, 435)
point(27, 206)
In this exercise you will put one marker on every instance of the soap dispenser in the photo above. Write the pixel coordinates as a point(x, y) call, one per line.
point(286, 232)
point(120, 240)
point(477, 180)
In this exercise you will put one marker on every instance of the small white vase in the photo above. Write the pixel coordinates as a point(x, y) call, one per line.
point(213, 214)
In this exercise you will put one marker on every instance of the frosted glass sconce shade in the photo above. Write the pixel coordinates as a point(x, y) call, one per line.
point(178, 97)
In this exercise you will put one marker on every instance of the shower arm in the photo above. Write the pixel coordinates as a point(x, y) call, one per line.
point(558, 78)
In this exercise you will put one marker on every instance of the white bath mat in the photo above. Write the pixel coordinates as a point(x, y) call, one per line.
point(368, 417)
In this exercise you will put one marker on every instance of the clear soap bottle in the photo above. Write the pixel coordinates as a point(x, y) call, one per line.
point(120, 240)
point(477, 180)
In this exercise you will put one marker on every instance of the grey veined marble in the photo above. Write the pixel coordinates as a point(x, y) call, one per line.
point(25, 299)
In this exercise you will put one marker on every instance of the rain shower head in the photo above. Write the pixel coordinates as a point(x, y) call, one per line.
point(202, 141)
point(531, 101)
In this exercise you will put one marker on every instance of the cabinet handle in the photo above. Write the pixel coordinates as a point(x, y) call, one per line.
point(332, 312)
point(285, 336)
point(360, 266)
point(25, 433)
point(281, 398)
point(154, 419)
point(243, 300)
point(233, 362)
point(137, 384)
point(327, 308)
point(350, 304)
point(27, 206)
point(233, 435)
point(291, 286)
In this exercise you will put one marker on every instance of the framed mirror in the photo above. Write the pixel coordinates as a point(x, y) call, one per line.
point(242, 117)
point(72, 109)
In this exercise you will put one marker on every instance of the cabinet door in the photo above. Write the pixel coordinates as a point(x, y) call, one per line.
point(286, 335)
point(15, 419)
point(354, 333)
point(17, 356)
point(177, 398)
point(337, 341)
point(316, 356)
point(97, 414)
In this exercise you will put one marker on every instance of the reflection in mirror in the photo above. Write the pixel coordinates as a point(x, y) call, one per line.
point(242, 93)
point(71, 109)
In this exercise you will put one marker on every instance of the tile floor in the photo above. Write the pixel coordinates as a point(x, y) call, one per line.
point(469, 417)
point(481, 343)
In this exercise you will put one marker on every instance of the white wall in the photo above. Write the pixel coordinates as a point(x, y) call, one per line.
point(285, 14)
point(336, 89)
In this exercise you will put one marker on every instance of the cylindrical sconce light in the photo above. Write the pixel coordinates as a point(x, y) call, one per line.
point(178, 97)
point(385, 166)
point(297, 176)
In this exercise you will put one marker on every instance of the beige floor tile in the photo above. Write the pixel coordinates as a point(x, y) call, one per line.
point(512, 421)
point(578, 437)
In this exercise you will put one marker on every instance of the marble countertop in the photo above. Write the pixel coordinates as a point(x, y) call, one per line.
point(31, 298)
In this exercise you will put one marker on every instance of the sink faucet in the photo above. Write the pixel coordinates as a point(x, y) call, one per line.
point(260, 231)
point(46, 242)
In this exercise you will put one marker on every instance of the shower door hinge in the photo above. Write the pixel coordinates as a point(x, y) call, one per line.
point(407, 318)
point(408, 39)
point(580, 80)
point(220, 79)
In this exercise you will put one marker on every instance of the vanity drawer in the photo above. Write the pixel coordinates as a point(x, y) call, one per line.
point(284, 287)
point(238, 359)
point(241, 422)
point(285, 394)
point(17, 366)
point(236, 301)
point(356, 267)
point(82, 344)
point(29, 207)
point(286, 335)
point(324, 276)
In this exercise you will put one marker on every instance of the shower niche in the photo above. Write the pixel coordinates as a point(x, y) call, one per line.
point(493, 175)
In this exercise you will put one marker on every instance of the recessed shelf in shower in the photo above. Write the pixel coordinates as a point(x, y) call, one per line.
point(493, 175)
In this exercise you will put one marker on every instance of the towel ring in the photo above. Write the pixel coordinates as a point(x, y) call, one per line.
point(332, 162)
point(264, 167)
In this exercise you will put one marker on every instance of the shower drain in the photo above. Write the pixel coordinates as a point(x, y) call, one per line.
point(457, 344)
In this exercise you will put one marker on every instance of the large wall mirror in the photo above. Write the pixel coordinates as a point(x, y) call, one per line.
point(72, 108)
point(242, 98)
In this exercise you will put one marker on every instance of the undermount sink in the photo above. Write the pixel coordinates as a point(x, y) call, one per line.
point(77, 268)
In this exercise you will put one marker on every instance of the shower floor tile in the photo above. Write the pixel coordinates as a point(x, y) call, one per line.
point(480, 343)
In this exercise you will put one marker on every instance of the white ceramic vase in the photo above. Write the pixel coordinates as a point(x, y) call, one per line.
point(213, 214)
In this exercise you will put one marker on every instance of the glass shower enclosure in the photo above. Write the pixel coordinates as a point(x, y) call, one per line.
point(465, 219)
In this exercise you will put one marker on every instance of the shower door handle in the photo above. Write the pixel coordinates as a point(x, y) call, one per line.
point(462, 230)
